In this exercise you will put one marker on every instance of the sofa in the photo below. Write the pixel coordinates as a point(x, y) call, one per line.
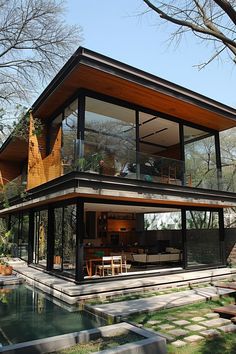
point(173, 255)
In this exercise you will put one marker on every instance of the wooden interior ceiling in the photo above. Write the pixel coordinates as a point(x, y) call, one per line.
point(15, 150)
point(83, 76)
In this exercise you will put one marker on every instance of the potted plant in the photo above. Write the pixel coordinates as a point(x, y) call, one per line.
point(1, 265)
point(6, 269)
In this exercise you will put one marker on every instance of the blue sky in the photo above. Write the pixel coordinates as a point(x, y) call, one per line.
point(113, 28)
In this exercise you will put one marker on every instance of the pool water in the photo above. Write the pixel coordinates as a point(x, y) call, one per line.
point(27, 314)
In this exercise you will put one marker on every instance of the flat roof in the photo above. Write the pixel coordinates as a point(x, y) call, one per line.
point(92, 71)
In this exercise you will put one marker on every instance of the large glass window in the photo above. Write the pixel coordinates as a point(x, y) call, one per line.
point(228, 159)
point(69, 242)
point(40, 237)
point(164, 231)
point(110, 137)
point(23, 240)
point(65, 239)
point(159, 146)
point(203, 238)
point(69, 135)
point(230, 235)
point(58, 238)
point(200, 158)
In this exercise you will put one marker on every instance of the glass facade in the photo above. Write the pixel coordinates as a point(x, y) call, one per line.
point(202, 238)
point(40, 237)
point(65, 239)
point(200, 159)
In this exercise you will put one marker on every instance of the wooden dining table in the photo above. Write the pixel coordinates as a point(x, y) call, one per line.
point(90, 265)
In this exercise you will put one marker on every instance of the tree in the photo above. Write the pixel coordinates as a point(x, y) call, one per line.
point(34, 42)
point(213, 21)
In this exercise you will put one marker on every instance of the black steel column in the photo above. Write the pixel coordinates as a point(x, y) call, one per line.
point(50, 238)
point(184, 238)
point(79, 271)
point(137, 145)
point(182, 153)
point(218, 161)
point(81, 116)
point(222, 236)
point(30, 236)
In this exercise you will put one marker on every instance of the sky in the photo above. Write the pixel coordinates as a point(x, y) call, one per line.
point(115, 28)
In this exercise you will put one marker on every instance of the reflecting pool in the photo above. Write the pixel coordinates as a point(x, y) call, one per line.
point(28, 314)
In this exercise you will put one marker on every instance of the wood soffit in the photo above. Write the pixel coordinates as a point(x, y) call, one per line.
point(148, 94)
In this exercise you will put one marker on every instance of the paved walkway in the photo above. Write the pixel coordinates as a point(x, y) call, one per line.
point(154, 303)
point(71, 292)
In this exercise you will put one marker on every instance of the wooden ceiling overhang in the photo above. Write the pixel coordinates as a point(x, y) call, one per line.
point(14, 150)
point(95, 72)
point(92, 71)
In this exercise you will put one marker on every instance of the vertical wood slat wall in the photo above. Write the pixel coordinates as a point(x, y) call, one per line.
point(42, 167)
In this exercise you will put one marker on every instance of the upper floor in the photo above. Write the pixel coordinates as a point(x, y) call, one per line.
point(104, 117)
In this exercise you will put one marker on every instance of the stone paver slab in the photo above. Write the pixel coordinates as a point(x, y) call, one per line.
point(215, 322)
point(178, 332)
point(192, 339)
point(153, 322)
point(170, 318)
point(212, 315)
point(228, 328)
point(166, 327)
point(181, 323)
point(197, 319)
point(178, 343)
point(209, 333)
point(195, 328)
point(233, 319)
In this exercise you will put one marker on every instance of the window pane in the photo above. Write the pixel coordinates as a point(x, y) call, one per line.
point(69, 242)
point(200, 159)
point(203, 238)
point(58, 225)
point(109, 136)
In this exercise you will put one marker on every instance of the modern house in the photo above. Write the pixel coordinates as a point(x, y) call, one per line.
point(126, 166)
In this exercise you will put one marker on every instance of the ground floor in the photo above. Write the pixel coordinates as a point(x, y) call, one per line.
point(91, 239)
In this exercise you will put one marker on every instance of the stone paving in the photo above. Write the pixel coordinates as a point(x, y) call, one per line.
point(154, 303)
point(181, 332)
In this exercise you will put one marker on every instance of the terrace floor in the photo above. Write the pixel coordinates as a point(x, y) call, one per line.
point(70, 292)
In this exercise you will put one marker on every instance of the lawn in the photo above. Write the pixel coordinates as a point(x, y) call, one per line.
point(225, 343)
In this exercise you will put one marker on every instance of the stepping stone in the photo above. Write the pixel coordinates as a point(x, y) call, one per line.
point(212, 315)
point(194, 338)
point(178, 332)
point(233, 319)
point(197, 319)
point(195, 328)
point(216, 322)
point(209, 333)
point(228, 328)
point(153, 322)
point(181, 322)
point(171, 318)
point(166, 327)
point(178, 343)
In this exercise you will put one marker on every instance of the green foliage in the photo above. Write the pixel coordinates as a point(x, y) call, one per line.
point(6, 239)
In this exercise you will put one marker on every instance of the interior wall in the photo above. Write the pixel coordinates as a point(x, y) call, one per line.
point(158, 239)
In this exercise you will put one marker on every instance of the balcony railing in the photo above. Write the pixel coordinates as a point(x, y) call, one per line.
point(121, 161)
point(12, 189)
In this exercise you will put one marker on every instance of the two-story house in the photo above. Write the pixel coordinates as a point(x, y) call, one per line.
point(126, 164)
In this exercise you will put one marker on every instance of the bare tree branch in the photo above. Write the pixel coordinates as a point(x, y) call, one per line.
point(34, 42)
point(212, 20)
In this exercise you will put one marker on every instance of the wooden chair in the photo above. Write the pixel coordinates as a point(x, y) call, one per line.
point(110, 264)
